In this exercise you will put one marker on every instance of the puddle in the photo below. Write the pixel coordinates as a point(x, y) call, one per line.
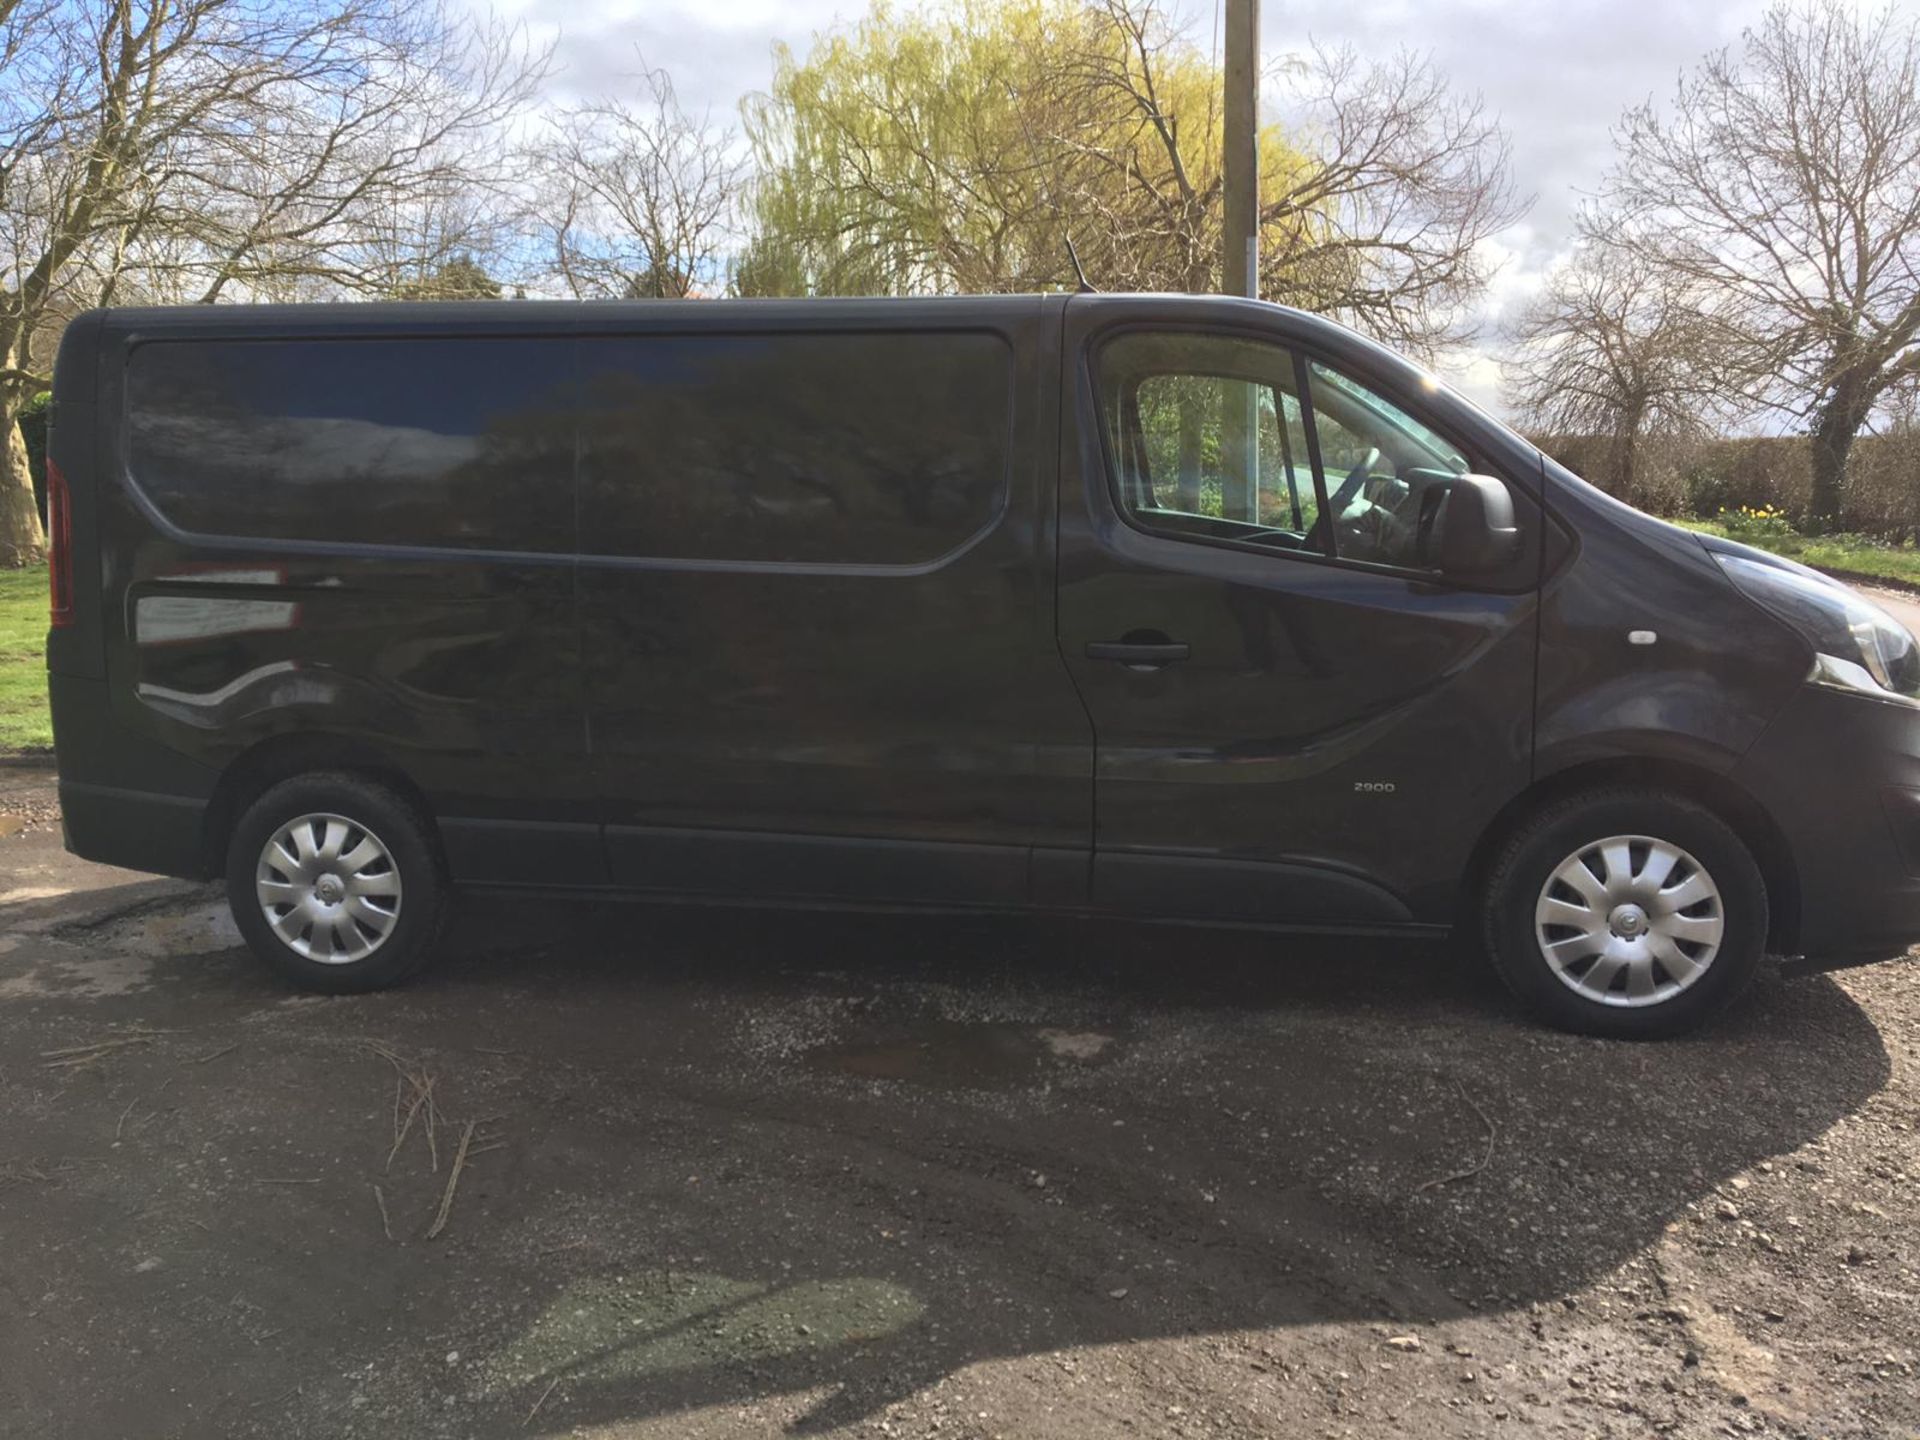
point(113, 952)
point(203, 929)
point(168, 924)
point(986, 1055)
point(1076, 1044)
point(78, 974)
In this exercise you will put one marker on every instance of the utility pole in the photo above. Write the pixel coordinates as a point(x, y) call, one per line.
point(1240, 247)
point(1240, 173)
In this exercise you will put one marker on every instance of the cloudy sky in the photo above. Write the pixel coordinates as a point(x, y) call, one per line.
point(1558, 72)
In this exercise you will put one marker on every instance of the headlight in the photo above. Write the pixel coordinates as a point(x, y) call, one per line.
point(1857, 646)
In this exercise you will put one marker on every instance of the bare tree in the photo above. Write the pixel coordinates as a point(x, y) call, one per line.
point(1403, 181)
point(1375, 196)
point(640, 199)
point(201, 149)
point(1619, 349)
point(1784, 181)
point(476, 230)
point(1143, 118)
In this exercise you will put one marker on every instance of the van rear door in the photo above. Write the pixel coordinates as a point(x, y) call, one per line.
point(75, 645)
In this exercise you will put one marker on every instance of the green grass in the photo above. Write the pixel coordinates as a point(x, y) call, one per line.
point(1851, 554)
point(24, 721)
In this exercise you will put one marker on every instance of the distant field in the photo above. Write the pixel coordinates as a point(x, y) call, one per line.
point(24, 722)
point(1851, 553)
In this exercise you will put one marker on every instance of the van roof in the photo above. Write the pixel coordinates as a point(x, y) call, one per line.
point(531, 317)
point(131, 324)
point(498, 315)
point(537, 314)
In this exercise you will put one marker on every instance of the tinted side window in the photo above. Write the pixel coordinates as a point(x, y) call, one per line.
point(885, 449)
point(458, 442)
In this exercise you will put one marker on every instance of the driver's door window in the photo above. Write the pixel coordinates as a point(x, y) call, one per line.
point(1219, 438)
point(1209, 439)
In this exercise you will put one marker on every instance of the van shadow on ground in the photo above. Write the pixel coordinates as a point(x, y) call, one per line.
point(751, 1152)
point(931, 1141)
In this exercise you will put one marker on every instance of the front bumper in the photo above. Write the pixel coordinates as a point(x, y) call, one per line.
point(1840, 776)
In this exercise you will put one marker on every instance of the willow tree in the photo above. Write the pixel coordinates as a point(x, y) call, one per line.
point(959, 149)
point(911, 155)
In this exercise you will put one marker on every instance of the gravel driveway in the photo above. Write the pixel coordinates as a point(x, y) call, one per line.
point(617, 1170)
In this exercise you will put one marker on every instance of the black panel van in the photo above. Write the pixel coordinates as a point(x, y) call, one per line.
point(1170, 607)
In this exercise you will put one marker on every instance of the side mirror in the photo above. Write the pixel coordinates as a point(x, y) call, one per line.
point(1475, 533)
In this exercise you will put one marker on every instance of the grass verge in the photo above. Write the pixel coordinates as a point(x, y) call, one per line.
point(24, 721)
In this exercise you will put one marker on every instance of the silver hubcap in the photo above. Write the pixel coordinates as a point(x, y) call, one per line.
point(329, 888)
point(1629, 920)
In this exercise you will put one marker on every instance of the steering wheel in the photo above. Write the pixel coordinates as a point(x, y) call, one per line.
point(1337, 503)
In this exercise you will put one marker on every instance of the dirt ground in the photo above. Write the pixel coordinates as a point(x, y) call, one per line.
point(733, 1172)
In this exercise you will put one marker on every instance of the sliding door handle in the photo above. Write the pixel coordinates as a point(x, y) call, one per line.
point(1140, 654)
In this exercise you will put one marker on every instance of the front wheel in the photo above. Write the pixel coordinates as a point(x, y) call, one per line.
point(335, 882)
point(1627, 913)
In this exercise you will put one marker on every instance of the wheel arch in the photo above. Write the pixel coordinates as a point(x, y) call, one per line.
point(257, 769)
point(1725, 798)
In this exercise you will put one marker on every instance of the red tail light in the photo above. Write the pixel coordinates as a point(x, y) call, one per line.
point(60, 547)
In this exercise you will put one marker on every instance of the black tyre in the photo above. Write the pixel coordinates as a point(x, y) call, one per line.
point(336, 882)
point(1625, 912)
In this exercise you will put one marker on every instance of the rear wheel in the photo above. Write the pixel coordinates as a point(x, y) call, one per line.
point(334, 881)
point(1627, 913)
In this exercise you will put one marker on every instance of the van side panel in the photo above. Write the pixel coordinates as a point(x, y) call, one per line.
point(1716, 673)
point(813, 594)
point(267, 536)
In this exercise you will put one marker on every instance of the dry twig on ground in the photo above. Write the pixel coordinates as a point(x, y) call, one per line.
point(415, 1107)
point(413, 1102)
point(541, 1401)
point(1467, 1174)
point(22, 1172)
point(453, 1183)
point(73, 1056)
